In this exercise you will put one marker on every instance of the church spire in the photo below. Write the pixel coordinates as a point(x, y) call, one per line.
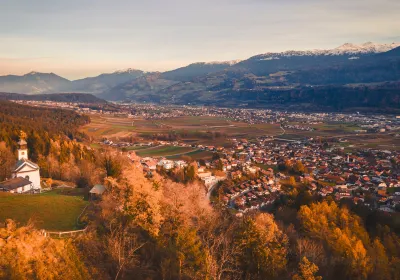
point(22, 146)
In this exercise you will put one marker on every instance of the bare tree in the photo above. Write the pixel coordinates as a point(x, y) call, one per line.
point(222, 251)
point(122, 246)
point(312, 250)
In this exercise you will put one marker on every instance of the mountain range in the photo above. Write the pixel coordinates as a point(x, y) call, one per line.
point(261, 80)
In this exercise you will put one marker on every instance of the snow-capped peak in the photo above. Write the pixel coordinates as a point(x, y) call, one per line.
point(230, 62)
point(348, 47)
point(345, 49)
point(366, 48)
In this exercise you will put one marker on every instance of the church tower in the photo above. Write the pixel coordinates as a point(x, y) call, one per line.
point(25, 168)
point(22, 149)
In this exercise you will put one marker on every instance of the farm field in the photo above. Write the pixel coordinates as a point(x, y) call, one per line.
point(55, 210)
point(136, 148)
point(198, 130)
point(196, 155)
point(164, 151)
point(194, 128)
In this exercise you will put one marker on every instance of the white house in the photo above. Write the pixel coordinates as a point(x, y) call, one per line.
point(166, 164)
point(210, 181)
point(180, 164)
point(25, 168)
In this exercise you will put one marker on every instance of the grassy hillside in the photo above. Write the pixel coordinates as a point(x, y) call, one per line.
point(51, 211)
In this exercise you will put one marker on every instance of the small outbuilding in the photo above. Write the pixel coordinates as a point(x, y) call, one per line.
point(17, 185)
point(97, 191)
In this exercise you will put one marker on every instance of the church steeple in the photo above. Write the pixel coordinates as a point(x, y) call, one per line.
point(22, 147)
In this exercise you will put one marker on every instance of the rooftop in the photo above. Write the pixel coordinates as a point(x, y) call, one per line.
point(14, 183)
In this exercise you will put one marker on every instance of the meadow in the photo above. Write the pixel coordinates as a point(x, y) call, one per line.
point(194, 128)
point(55, 210)
point(164, 151)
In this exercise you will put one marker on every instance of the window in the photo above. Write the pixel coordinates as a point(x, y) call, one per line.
point(27, 178)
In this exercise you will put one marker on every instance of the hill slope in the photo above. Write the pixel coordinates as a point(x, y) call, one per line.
point(104, 82)
point(33, 82)
point(56, 97)
point(194, 70)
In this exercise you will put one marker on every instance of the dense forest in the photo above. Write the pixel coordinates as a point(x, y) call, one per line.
point(55, 97)
point(160, 228)
point(47, 123)
point(54, 141)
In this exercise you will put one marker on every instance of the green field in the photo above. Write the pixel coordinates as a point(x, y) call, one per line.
point(163, 151)
point(54, 210)
point(196, 155)
point(136, 148)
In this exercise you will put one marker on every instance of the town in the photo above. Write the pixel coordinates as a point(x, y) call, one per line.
point(250, 173)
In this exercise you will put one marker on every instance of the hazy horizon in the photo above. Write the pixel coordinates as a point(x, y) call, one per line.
point(77, 39)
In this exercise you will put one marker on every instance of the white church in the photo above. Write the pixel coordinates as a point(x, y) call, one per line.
point(26, 174)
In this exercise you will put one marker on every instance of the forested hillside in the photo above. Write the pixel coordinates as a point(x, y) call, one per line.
point(52, 136)
point(150, 227)
point(41, 124)
point(55, 97)
point(158, 229)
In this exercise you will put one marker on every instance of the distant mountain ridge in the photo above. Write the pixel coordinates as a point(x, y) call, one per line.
point(369, 66)
point(345, 49)
point(33, 82)
point(198, 69)
point(262, 64)
point(104, 82)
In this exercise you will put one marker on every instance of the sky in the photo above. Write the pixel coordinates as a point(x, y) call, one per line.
point(80, 38)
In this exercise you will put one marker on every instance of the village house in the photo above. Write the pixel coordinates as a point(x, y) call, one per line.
point(166, 164)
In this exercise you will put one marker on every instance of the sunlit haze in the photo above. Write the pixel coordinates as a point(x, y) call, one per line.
point(87, 37)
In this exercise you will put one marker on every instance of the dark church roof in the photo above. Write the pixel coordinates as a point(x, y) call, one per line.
point(22, 142)
point(14, 183)
point(24, 161)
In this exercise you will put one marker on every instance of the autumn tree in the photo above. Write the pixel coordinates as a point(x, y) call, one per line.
point(263, 247)
point(7, 161)
point(191, 172)
point(27, 254)
point(111, 163)
point(307, 271)
point(342, 232)
point(292, 181)
point(380, 261)
point(299, 167)
point(182, 252)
